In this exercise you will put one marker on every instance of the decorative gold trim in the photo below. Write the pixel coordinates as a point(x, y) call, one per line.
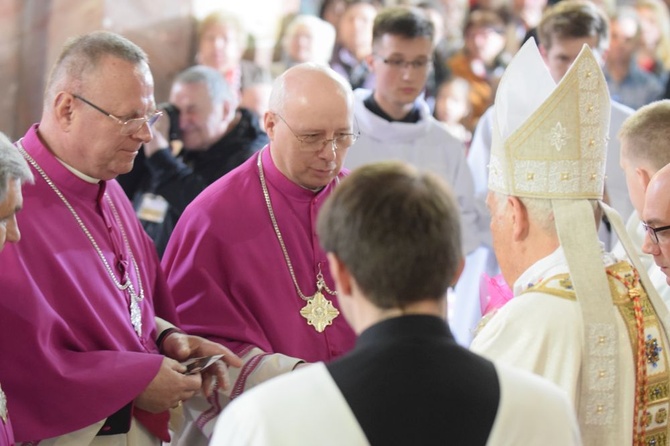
point(657, 387)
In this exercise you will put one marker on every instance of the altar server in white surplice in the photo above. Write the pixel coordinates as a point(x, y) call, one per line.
point(396, 123)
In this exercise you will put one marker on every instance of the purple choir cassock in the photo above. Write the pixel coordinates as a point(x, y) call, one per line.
point(227, 271)
point(70, 355)
point(6, 435)
point(231, 284)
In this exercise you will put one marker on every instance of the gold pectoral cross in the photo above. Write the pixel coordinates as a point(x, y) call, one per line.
point(319, 312)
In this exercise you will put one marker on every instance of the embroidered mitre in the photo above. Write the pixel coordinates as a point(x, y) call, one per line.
point(550, 141)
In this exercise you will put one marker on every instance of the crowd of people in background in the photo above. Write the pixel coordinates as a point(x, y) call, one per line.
point(473, 41)
point(487, 140)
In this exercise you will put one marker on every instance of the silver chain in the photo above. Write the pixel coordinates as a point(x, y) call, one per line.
point(320, 282)
point(123, 287)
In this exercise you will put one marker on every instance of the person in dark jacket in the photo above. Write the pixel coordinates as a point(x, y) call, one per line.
point(212, 137)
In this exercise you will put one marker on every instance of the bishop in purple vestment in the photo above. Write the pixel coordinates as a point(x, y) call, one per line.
point(82, 295)
point(244, 262)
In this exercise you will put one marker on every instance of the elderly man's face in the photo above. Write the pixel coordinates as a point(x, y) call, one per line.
point(200, 120)
point(656, 214)
point(316, 111)
point(9, 229)
point(96, 145)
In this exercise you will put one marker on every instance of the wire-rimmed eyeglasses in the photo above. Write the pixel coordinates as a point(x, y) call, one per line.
point(653, 232)
point(130, 126)
point(397, 63)
point(316, 143)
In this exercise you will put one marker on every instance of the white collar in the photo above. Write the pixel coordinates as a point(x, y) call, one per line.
point(554, 263)
point(79, 174)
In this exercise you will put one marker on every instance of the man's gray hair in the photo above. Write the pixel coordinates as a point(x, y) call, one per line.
point(540, 210)
point(81, 55)
point(218, 88)
point(12, 166)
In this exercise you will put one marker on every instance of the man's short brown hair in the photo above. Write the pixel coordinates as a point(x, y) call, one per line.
point(646, 134)
point(398, 232)
point(573, 19)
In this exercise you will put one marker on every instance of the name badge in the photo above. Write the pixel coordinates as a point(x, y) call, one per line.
point(153, 208)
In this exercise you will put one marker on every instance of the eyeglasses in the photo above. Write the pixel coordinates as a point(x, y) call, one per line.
point(653, 232)
point(397, 64)
point(130, 126)
point(315, 143)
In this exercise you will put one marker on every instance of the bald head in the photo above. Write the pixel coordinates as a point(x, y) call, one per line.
point(305, 84)
point(310, 124)
point(656, 217)
point(656, 211)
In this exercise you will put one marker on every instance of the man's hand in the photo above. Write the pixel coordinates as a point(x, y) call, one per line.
point(168, 388)
point(181, 347)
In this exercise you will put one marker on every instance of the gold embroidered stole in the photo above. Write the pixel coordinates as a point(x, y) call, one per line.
point(652, 382)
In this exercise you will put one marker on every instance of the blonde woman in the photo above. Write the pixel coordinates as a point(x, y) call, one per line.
point(307, 39)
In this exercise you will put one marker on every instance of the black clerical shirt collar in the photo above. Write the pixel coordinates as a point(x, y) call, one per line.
point(412, 117)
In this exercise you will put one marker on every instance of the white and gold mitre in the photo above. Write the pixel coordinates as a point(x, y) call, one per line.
point(550, 141)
